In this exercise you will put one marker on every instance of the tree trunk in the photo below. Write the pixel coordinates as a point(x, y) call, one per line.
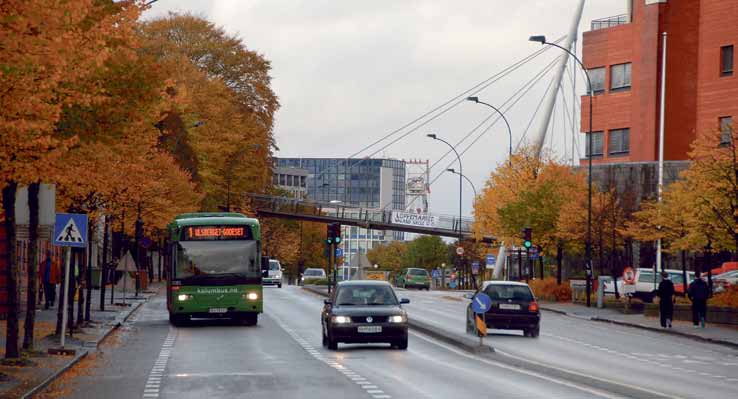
point(11, 339)
point(33, 190)
point(72, 287)
point(104, 266)
point(559, 259)
point(88, 275)
point(81, 267)
point(61, 304)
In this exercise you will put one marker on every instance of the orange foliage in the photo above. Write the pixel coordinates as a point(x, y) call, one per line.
point(548, 290)
point(727, 298)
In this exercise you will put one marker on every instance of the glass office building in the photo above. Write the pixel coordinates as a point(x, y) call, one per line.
point(365, 183)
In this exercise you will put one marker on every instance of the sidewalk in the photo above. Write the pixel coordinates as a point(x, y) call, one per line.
point(717, 334)
point(22, 382)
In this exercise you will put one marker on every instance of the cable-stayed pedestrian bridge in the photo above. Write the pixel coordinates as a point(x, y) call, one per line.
point(368, 218)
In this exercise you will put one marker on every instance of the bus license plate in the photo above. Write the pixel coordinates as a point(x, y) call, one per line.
point(218, 310)
point(370, 329)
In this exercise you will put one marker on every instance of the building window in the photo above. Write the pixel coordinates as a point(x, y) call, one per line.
point(726, 61)
point(619, 142)
point(726, 129)
point(620, 77)
point(282, 180)
point(597, 76)
point(597, 143)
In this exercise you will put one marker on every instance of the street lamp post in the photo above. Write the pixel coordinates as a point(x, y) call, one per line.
point(461, 172)
point(588, 244)
point(452, 170)
point(509, 130)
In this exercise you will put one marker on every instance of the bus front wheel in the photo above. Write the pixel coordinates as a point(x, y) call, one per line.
point(178, 319)
point(250, 319)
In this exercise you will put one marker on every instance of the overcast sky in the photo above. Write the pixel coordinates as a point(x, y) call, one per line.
point(349, 72)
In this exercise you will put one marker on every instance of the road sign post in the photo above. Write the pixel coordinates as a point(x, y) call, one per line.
point(481, 303)
point(70, 230)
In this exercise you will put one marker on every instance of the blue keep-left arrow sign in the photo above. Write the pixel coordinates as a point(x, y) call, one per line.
point(481, 303)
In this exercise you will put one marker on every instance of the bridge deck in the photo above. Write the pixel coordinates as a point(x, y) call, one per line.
point(376, 219)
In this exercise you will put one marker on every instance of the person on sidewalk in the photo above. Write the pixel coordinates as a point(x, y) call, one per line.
point(666, 300)
point(46, 272)
point(698, 293)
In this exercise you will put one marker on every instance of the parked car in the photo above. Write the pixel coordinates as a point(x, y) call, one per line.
point(414, 277)
point(274, 276)
point(514, 307)
point(312, 273)
point(722, 282)
point(645, 287)
point(364, 311)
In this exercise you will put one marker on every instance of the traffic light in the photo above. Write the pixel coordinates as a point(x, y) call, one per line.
point(333, 233)
point(527, 237)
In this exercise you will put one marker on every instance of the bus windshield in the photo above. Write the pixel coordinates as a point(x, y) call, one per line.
point(217, 258)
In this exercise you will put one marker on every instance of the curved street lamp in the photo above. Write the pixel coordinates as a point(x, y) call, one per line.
point(452, 170)
point(588, 244)
point(509, 130)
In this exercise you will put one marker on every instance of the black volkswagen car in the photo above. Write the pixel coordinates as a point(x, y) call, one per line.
point(513, 308)
point(361, 311)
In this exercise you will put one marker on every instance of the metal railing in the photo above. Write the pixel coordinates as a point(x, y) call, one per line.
point(370, 218)
point(610, 22)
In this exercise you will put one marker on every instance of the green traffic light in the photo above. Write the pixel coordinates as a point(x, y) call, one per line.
point(527, 244)
point(338, 240)
point(329, 241)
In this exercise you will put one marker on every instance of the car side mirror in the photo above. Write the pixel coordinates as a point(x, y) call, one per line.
point(404, 301)
point(328, 302)
point(468, 296)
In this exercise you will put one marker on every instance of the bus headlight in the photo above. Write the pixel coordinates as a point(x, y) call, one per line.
point(341, 319)
point(183, 297)
point(251, 296)
point(397, 319)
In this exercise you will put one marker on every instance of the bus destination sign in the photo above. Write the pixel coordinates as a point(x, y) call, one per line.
point(194, 233)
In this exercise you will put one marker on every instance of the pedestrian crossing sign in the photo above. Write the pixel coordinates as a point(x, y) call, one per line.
point(70, 230)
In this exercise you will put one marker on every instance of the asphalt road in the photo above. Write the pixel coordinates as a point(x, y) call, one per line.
point(282, 357)
point(675, 366)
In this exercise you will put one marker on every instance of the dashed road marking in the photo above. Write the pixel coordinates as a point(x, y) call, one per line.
point(355, 377)
point(153, 383)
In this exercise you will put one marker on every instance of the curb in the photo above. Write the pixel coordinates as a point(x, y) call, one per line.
point(466, 344)
point(38, 388)
point(729, 344)
point(83, 352)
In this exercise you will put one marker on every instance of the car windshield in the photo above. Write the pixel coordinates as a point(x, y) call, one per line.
point(418, 272)
point(314, 273)
point(515, 292)
point(273, 265)
point(362, 295)
point(217, 258)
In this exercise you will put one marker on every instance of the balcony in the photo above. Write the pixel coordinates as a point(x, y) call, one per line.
point(610, 22)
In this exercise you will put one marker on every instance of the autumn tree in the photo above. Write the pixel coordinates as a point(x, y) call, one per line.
point(47, 50)
point(391, 256)
point(426, 252)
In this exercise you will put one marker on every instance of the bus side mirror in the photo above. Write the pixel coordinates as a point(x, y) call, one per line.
point(265, 265)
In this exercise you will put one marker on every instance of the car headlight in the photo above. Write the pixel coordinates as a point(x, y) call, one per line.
point(183, 297)
point(341, 319)
point(252, 296)
point(397, 319)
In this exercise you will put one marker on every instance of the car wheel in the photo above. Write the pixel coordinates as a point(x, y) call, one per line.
point(401, 344)
point(535, 332)
point(279, 285)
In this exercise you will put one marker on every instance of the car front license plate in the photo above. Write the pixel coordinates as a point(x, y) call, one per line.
point(370, 329)
point(218, 310)
point(510, 306)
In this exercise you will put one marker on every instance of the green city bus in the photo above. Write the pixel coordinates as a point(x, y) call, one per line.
point(215, 268)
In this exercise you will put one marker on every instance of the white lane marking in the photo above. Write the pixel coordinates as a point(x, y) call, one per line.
point(582, 388)
point(355, 377)
point(153, 383)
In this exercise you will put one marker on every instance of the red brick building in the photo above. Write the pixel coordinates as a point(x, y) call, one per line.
point(623, 55)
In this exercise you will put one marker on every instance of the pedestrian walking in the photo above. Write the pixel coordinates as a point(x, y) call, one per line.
point(666, 300)
point(698, 293)
point(46, 270)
